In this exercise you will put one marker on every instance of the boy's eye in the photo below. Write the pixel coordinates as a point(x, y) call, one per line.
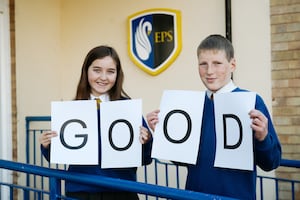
point(217, 63)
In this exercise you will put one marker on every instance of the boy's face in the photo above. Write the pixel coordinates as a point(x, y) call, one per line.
point(214, 68)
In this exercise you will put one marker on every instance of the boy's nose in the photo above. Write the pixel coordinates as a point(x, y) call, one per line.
point(210, 69)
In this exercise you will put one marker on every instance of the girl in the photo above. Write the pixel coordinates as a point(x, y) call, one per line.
point(101, 78)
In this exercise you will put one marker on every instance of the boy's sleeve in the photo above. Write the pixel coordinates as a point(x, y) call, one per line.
point(268, 151)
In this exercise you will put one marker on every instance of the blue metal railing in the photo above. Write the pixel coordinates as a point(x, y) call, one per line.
point(290, 163)
point(57, 175)
point(161, 170)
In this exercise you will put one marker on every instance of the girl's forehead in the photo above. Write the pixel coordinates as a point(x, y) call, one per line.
point(106, 62)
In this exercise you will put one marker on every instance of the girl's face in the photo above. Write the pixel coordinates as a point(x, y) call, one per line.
point(102, 75)
point(214, 69)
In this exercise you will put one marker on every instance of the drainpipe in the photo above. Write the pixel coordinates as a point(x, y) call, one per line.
point(228, 19)
point(228, 22)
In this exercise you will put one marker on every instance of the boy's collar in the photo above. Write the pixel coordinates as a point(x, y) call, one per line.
point(226, 88)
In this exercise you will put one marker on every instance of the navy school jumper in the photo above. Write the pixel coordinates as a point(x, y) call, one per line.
point(241, 184)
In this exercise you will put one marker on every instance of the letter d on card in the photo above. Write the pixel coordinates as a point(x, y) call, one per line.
point(234, 135)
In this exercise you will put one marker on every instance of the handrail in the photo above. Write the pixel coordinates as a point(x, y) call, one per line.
point(290, 163)
point(138, 187)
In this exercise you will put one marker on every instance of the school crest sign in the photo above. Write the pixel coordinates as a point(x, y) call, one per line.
point(154, 39)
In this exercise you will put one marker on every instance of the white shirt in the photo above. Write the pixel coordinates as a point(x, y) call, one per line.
point(103, 97)
point(226, 88)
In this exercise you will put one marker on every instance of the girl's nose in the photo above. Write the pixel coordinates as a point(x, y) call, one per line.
point(102, 76)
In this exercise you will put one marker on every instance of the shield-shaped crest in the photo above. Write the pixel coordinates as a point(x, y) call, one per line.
point(154, 39)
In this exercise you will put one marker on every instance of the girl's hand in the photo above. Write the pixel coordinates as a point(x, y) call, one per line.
point(45, 138)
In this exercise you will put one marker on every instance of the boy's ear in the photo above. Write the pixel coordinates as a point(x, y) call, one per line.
point(233, 64)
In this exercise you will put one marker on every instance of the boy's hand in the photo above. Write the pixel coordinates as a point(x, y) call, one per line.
point(259, 124)
point(152, 119)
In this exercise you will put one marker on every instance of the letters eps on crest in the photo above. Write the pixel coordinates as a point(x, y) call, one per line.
point(154, 37)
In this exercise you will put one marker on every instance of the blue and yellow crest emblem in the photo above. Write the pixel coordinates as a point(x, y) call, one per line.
point(154, 39)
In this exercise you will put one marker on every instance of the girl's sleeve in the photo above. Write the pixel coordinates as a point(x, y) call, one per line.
point(146, 148)
point(46, 152)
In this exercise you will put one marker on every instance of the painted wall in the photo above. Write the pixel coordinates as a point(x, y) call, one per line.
point(54, 36)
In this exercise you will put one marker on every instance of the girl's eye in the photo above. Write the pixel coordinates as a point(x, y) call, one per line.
point(97, 70)
point(112, 71)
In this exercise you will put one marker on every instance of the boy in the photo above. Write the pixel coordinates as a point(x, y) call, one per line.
point(216, 64)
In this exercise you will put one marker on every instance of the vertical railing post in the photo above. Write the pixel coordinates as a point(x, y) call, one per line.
point(177, 176)
point(261, 188)
point(166, 174)
point(26, 193)
point(55, 188)
point(293, 190)
point(277, 189)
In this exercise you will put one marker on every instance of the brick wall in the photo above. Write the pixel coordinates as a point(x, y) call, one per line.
point(285, 38)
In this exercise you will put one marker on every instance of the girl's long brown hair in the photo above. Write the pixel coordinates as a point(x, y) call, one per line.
point(84, 89)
